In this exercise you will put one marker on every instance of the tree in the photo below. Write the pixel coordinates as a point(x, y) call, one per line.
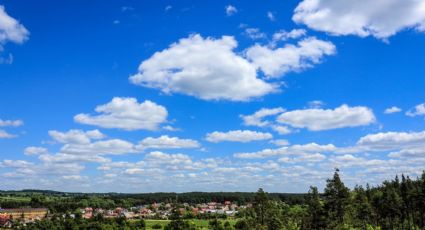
point(260, 206)
point(215, 224)
point(362, 207)
point(316, 216)
point(336, 198)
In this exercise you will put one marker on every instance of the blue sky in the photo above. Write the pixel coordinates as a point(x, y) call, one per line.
point(136, 96)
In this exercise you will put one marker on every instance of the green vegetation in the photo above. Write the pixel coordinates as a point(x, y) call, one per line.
point(60, 202)
point(395, 204)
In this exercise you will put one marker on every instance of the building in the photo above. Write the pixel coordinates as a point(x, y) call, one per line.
point(26, 214)
point(5, 222)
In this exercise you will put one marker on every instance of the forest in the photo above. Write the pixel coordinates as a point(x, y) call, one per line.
point(394, 204)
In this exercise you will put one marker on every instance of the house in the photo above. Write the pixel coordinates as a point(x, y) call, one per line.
point(5, 221)
point(27, 214)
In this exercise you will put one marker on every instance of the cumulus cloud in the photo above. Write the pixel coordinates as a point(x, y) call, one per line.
point(294, 150)
point(126, 113)
point(11, 30)
point(325, 119)
point(69, 158)
point(103, 147)
point(361, 17)
point(393, 109)
point(230, 10)
point(277, 62)
point(237, 136)
point(284, 35)
point(256, 119)
point(4, 134)
point(305, 158)
point(419, 110)
point(166, 142)
point(186, 68)
point(82, 146)
point(13, 123)
point(392, 140)
point(282, 130)
point(76, 136)
point(280, 142)
point(33, 150)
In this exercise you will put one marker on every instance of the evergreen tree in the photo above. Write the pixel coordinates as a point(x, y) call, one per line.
point(362, 208)
point(316, 216)
point(336, 197)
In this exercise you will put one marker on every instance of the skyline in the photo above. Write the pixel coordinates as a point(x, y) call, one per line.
point(225, 96)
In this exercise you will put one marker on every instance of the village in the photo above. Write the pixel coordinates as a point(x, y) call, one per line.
point(160, 211)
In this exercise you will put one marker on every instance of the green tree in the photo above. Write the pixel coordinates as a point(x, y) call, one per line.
point(316, 217)
point(336, 197)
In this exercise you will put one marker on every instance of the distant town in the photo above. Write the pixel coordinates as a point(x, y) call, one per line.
point(160, 211)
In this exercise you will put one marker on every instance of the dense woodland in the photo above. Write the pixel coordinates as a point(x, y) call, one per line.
point(395, 204)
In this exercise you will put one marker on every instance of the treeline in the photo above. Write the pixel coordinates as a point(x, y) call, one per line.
point(58, 202)
point(396, 204)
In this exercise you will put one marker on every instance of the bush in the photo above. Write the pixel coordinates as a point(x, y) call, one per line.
point(156, 226)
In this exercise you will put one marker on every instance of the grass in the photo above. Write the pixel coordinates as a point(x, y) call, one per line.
point(15, 198)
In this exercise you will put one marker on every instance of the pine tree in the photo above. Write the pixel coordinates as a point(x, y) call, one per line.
point(362, 207)
point(336, 199)
point(316, 216)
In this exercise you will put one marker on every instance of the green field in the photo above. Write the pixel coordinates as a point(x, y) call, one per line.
point(15, 198)
point(200, 224)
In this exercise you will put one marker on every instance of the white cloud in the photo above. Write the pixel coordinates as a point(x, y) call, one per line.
point(295, 150)
point(304, 158)
point(74, 177)
point(134, 171)
point(285, 35)
point(230, 10)
point(392, 140)
point(282, 130)
point(170, 128)
point(76, 136)
point(13, 123)
point(237, 136)
point(280, 142)
point(316, 104)
point(126, 113)
point(186, 68)
point(325, 119)
point(104, 147)
point(166, 142)
point(277, 62)
point(256, 119)
point(33, 150)
point(271, 16)
point(61, 158)
point(419, 110)
point(15, 163)
point(4, 134)
point(378, 18)
point(255, 33)
point(11, 30)
point(393, 109)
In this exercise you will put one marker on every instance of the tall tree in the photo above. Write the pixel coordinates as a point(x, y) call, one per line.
point(316, 217)
point(336, 197)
